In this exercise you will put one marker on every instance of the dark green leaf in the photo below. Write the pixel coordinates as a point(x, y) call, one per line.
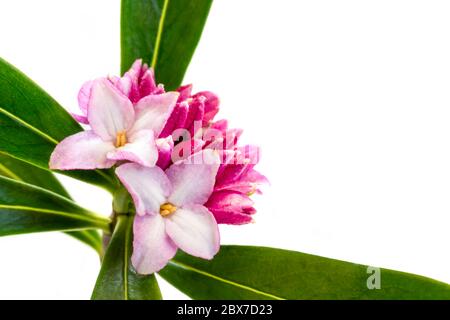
point(25, 208)
point(117, 279)
point(241, 272)
point(32, 123)
point(90, 237)
point(24, 172)
point(164, 33)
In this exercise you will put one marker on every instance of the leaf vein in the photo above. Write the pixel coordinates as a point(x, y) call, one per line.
point(95, 220)
point(29, 126)
point(159, 33)
point(230, 282)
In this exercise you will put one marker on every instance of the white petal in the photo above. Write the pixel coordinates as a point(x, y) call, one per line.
point(83, 150)
point(152, 247)
point(194, 230)
point(141, 149)
point(149, 187)
point(109, 111)
point(153, 111)
point(193, 179)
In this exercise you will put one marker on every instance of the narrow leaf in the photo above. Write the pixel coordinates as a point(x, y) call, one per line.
point(24, 172)
point(164, 33)
point(117, 279)
point(32, 123)
point(243, 272)
point(25, 208)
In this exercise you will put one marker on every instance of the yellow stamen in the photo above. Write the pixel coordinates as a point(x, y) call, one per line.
point(121, 139)
point(164, 213)
point(253, 191)
point(167, 209)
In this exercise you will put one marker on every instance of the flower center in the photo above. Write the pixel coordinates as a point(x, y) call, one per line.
point(167, 209)
point(121, 139)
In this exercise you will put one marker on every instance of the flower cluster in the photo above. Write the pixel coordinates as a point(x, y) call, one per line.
point(185, 172)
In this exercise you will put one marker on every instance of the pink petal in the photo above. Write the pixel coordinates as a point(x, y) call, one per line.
point(109, 111)
point(176, 120)
point(231, 138)
point(231, 207)
point(149, 187)
point(194, 119)
point(256, 177)
point(219, 138)
point(84, 150)
point(220, 125)
point(142, 81)
point(249, 154)
point(185, 92)
point(193, 179)
point(233, 172)
point(185, 149)
point(152, 247)
point(147, 84)
point(153, 111)
point(137, 66)
point(122, 84)
point(194, 230)
point(239, 175)
point(80, 119)
point(231, 218)
point(84, 95)
point(211, 105)
point(141, 149)
point(165, 147)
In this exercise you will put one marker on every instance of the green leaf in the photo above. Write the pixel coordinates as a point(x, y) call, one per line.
point(244, 272)
point(32, 123)
point(25, 208)
point(164, 33)
point(117, 279)
point(90, 237)
point(24, 172)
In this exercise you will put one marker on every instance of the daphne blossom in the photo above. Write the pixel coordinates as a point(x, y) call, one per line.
point(170, 210)
point(119, 130)
point(191, 110)
point(156, 138)
point(236, 180)
point(136, 83)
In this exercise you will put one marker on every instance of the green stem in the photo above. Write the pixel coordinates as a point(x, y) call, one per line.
point(121, 202)
point(122, 206)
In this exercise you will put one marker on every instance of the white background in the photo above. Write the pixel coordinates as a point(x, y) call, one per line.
point(348, 99)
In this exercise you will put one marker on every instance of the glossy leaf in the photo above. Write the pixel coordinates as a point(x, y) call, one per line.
point(32, 123)
point(117, 279)
point(242, 272)
point(24, 172)
point(25, 208)
point(164, 33)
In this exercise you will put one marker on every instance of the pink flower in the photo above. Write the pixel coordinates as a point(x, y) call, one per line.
point(170, 210)
point(236, 179)
point(119, 130)
point(191, 110)
point(140, 82)
point(136, 83)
